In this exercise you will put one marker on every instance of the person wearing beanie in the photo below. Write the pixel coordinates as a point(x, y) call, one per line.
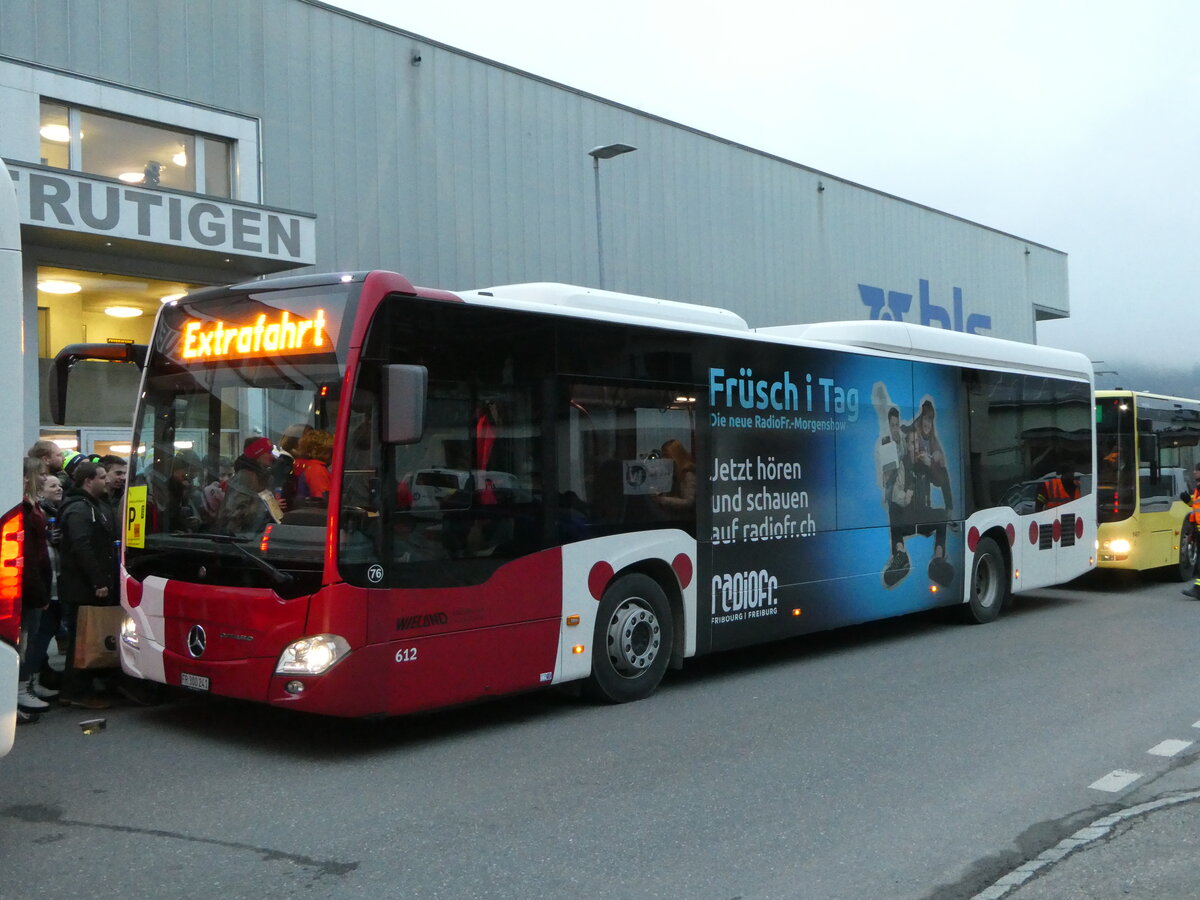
point(244, 509)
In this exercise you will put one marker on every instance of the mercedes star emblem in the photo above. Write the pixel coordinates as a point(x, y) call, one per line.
point(195, 641)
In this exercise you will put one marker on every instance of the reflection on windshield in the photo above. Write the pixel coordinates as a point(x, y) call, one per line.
point(235, 463)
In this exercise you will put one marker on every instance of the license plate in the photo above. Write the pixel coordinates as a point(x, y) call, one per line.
point(195, 682)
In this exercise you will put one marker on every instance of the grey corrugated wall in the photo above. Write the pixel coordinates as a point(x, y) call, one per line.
point(462, 173)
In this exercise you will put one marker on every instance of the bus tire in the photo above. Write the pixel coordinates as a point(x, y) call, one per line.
point(989, 584)
point(1187, 553)
point(632, 642)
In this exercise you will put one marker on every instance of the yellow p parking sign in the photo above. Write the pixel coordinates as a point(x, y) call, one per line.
point(135, 517)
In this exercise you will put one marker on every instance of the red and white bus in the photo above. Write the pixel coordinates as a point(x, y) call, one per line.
point(539, 484)
point(11, 453)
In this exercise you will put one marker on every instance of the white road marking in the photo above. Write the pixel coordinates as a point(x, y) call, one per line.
point(1196, 724)
point(1114, 781)
point(1169, 747)
point(1081, 838)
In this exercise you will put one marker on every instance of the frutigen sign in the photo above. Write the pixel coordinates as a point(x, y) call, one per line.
point(52, 198)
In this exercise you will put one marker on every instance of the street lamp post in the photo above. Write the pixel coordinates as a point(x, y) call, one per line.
point(608, 151)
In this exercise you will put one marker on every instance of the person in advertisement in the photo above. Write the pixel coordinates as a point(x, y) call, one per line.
point(911, 462)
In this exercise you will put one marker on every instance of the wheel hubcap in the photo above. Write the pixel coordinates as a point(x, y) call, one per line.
point(985, 583)
point(634, 638)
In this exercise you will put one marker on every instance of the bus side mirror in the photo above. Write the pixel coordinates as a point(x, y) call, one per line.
point(67, 357)
point(404, 391)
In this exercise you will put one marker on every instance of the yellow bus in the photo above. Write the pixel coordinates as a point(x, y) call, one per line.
point(1147, 448)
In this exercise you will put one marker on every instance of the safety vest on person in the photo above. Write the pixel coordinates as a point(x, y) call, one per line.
point(1194, 518)
point(1054, 493)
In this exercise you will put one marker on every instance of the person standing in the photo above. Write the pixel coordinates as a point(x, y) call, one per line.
point(35, 589)
point(283, 475)
point(314, 455)
point(51, 456)
point(89, 569)
point(115, 472)
point(244, 509)
point(43, 675)
point(1192, 533)
point(680, 503)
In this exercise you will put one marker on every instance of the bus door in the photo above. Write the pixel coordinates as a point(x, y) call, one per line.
point(466, 583)
point(1158, 489)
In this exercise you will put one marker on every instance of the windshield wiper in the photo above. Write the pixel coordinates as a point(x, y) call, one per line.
point(277, 575)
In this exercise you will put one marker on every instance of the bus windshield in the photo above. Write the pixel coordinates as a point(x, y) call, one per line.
point(236, 388)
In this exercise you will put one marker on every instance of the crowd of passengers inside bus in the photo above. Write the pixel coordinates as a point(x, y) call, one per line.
point(260, 486)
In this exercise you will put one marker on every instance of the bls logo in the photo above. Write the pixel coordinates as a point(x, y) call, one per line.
point(893, 306)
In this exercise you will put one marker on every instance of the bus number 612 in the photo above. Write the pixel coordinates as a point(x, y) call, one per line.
point(406, 654)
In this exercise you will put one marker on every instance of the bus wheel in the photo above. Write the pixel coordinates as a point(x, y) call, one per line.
point(989, 584)
point(1187, 553)
point(633, 640)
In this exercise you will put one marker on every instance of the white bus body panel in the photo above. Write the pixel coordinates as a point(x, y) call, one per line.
point(12, 400)
point(615, 553)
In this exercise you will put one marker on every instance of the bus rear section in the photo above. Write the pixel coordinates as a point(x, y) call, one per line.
point(11, 572)
point(1147, 450)
point(11, 453)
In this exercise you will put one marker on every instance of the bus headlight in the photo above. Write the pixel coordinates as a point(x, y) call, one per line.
point(1119, 546)
point(129, 632)
point(311, 655)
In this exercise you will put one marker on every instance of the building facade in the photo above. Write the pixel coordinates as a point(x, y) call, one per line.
point(161, 145)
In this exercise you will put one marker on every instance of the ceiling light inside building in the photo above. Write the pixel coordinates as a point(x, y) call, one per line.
point(122, 312)
point(132, 177)
point(52, 286)
point(180, 158)
point(60, 134)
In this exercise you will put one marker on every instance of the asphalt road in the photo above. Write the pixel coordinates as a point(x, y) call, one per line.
point(915, 758)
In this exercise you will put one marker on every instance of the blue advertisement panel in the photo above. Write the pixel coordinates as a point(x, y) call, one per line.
point(832, 491)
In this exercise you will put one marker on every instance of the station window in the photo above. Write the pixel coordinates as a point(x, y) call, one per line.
point(134, 151)
point(77, 306)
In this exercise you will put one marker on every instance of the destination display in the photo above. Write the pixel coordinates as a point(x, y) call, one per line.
point(271, 325)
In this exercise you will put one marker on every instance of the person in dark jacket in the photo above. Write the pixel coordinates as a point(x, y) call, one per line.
point(89, 568)
point(244, 508)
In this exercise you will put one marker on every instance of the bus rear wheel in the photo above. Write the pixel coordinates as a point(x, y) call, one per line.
point(989, 584)
point(632, 642)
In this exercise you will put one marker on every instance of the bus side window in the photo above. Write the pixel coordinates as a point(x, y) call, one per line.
point(360, 513)
point(612, 472)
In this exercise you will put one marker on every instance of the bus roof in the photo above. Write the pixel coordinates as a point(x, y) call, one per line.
point(585, 300)
point(940, 344)
point(900, 338)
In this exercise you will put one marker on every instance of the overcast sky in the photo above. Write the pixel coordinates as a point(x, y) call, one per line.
point(1072, 124)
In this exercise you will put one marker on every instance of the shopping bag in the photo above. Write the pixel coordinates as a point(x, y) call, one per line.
point(96, 633)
